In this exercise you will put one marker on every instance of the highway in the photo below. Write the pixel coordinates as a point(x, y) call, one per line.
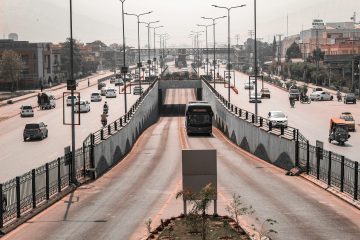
point(18, 157)
point(313, 120)
point(144, 184)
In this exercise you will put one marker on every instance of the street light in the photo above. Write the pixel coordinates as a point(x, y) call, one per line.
point(214, 61)
point(197, 34)
point(124, 68)
point(207, 50)
point(229, 65)
point(148, 27)
point(161, 39)
point(154, 59)
point(138, 21)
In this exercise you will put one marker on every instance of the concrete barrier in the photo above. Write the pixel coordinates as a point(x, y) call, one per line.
point(111, 150)
point(269, 147)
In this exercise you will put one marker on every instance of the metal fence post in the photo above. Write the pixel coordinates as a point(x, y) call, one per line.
point(84, 159)
point(91, 160)
point(236, 110)
point(240, 112)
point(342, 173)
point(261, 122)
point(109, 129)
point(270, 126)
point(102, 134)
point(297, 153)
point(1, 208)
point(317, 164)
point(253, 118)
point(356, 178)
point(120, 122)
point(59, 175)
point(115, 125)
point(294, 134)
point(329, 169)
point(18, 212)
point(33, 188)
point(232, 108)
point(307, 157)
point(47, 181)
point(246, 115)
point(281, 130)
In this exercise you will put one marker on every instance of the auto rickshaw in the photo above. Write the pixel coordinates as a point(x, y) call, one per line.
point(338, 131)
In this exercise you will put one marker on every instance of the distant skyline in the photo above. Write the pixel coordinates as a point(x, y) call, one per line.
point(48, 20)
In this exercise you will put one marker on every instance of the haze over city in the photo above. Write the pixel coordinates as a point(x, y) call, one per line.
point(48, 20)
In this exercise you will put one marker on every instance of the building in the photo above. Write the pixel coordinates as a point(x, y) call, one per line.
point(36, 58)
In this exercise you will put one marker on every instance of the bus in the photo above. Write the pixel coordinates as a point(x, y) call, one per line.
point(198, 117)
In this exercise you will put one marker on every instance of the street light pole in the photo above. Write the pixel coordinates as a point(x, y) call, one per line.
point(207, 50)
point(124, 54)
point(214, 61)
point(154, 59)
point(255, 63)
point(197, 34)
point(138, 24)
point(229, 65)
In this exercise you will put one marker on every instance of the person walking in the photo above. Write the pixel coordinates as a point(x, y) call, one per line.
point(88, 82)
point(41, 87)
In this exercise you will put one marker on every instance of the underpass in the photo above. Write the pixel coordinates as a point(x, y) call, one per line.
point(144, 183)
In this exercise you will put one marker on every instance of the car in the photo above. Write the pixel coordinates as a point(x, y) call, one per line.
point(84, 106)
point(46, 100)
point(294, 93)
point(112, 80)
point(118, 81)
point(35, 131)
point(138, 90)
point(349, 119)
point(253, 99)
point(321, 96)
point(265, 93)
point(277, 119)
point(26, 111)
point(317, 89)
point(96, 97)
point(350, 97)
point(68, 100)
point(4, 202)
point(110, 93)
point(249, 86)
point(101, 85)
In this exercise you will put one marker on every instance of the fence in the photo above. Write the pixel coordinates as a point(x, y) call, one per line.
point(331, 168)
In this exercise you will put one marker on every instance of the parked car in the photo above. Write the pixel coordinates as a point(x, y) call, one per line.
point(350, 97)
point(265, 93)
point(277, 119)
point(35, 131)
point(26, 111)
point(138, 90)
point(110, 93)
point(321, 96)
point(118, 81)
point(294, 93)
point(349, 119)
point(4, 203)
point(68, 100)
point(83, 105)
point(253, 97)
point(249, 86)
point(101, 85)
point(96, 97)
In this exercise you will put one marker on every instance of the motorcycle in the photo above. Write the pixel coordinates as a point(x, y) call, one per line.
point(292, 103)
point(104, 123)
point(106, 109)
point(305, 99)
point(339, 98)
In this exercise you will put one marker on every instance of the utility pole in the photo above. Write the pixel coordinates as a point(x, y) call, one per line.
point(279, 67)
point(237, 37)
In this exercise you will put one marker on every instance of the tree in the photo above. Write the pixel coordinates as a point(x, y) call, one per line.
point(236, 209)
point(274, 48)
point(10, 67)
point(293, 51)
point(65, 57)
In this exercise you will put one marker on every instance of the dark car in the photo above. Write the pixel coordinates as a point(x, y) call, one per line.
point(35, 131)
point(101, 85)
point(350, 97)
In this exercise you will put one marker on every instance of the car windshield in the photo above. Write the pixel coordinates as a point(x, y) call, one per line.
point(350, 95)
point(95, 94)
point(32, 126)
point(347, 117)
point(294, 90)
point(278, 114)
point(27, 107)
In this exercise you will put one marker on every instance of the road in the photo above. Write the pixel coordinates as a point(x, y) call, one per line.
point(312, 120)
point(144, 185)
point(18, 157)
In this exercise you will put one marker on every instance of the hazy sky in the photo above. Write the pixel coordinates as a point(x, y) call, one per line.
point(48, 20)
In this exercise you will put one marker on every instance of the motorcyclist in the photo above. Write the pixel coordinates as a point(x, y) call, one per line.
point(106, 108)
point(292, 101)
point(338, 95)
point(104, 119)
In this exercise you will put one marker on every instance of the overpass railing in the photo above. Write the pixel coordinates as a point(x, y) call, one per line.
point(329, 167)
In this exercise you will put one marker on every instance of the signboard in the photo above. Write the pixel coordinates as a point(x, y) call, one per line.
point(71, 85)
point(124, 70)
point(139, 65)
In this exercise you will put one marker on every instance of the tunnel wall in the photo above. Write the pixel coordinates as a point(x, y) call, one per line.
point(269, 147)
point(110, 151)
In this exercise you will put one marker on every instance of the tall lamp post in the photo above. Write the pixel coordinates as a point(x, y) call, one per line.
point(214, 61)
point(148, 28)
point(124, 68)
point(138, 22)
point(255, 63)
point(197, 34)
point(207, 50)
point(228, 67)
point(154, 59)
point(161, 39)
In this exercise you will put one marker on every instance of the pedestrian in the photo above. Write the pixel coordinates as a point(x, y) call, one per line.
point(38, 99)
point(88, 82)
point(41, 87)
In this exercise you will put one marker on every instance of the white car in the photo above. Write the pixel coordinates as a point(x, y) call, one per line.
point(84, 106)
point(321, 96)
point(26, 111)
point(110, 93)
point(253, 99)
point(277, 119)
point(68, 100)
point(138, 90)
point(96, 97)
point(249, 86)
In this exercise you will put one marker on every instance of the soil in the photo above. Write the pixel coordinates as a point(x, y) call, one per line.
point(177, 228)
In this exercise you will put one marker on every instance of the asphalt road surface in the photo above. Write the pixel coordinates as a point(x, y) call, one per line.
point(18, 157)
point(144, 184)
point(313, 120)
